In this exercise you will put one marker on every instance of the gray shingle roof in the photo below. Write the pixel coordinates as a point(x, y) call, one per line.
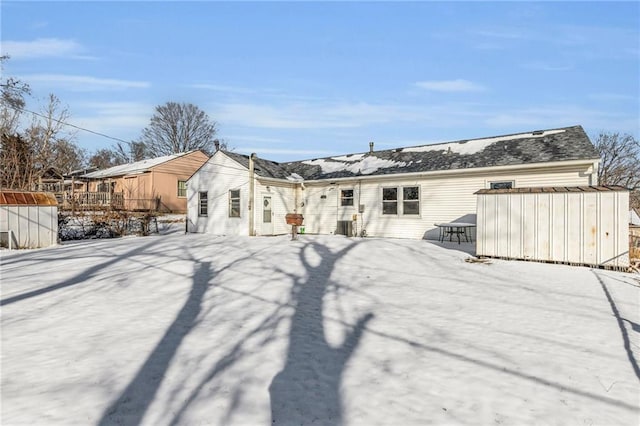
point(262, 167)
point(563, 144)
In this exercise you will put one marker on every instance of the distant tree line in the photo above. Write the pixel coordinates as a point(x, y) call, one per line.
point(33, 142)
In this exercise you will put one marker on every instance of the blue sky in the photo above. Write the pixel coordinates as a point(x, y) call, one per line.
point(301, 80)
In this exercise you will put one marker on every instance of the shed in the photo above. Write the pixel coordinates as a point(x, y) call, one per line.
point(585, 225)
point(28, 219)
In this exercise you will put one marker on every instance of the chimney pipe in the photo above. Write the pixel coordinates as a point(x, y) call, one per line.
point(216, 143)
point(370, 147)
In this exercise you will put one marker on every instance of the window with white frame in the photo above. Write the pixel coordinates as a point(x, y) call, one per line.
point(407, 196)
point(508, 184)
point(182, 188)
point(389, 200)
point(411, 200)
point(346, 197)
point(234, 203)
point(203, 205)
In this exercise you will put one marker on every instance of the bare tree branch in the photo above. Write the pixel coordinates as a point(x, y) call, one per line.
point(620, 163)
point(178, 127)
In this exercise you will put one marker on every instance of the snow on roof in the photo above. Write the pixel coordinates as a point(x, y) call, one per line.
point(295, 177)
point(365, 166)
point(133, 168)
point(349, 157)
point(474, 146)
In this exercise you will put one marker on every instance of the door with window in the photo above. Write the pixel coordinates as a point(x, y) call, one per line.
point(267, 215)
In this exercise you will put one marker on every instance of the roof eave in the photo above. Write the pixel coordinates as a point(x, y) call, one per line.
point(529, 166)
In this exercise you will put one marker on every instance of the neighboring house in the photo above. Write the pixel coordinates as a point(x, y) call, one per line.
point(634, 217)
point(399, 192)
point(61, 185)
point(153, 184)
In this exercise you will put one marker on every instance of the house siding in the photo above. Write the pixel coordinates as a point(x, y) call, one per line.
point(161, 181)
point(282, 202)
point(216, 177)
point(442, 199)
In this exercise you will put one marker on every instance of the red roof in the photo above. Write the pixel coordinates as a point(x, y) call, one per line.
point(21, 198)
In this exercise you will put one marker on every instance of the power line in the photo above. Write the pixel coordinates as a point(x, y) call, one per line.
point(68, 124)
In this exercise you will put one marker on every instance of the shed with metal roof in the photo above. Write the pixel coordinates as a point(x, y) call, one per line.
point(28, 219)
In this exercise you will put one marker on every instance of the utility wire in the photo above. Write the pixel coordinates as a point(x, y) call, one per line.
point(91, 131)
point(68, 124)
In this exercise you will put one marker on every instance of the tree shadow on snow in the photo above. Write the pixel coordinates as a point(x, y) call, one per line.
point(131, 406)
point(623, 330)
point(78, 278)
point(307, 390)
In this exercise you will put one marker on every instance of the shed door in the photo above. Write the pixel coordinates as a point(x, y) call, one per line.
point(267, 215)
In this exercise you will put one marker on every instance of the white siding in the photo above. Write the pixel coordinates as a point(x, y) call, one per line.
point(574, 227)
point(32, 226)
point(442, 199)
point(320, 208)
point(217, 176)
point(282, 202)
point(220, 175)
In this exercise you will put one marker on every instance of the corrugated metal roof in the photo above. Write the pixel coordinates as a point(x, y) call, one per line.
point(20, 198)
point(547, 189)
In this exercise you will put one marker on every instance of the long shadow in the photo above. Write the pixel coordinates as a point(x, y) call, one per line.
point(307, 390)
point(79, 278)
point(623, 329)
point(133, 403)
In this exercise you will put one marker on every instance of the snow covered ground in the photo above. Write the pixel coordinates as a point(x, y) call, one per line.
point(197, 329)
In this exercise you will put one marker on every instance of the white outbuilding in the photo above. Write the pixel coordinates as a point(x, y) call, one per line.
point(585, 225)
point(28, 219)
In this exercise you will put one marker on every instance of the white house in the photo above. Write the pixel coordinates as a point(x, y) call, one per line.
point(399, 192)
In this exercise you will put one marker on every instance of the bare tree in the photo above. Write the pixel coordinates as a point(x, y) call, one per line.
point(16, 163)
point(130, 152)
point(620, 163)
point(46, 130)
point(12, 94)
point(67, 156)
point(104, 158)
point(178, 127)
point(42, 145)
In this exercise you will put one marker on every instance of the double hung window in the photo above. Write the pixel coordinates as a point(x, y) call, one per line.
point(401, 200)
point(182, 188)
point(346, 197)
point(234, 203)
point(203, 205)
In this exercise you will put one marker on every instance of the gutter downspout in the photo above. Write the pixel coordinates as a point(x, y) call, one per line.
point(251, 195)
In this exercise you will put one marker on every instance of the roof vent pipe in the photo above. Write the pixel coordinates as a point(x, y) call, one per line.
point(370, 146)
point(216, 143)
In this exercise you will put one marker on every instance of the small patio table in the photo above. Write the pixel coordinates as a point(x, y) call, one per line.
point(459, 229)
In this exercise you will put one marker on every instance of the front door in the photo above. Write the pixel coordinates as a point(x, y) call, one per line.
point(267, 216)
